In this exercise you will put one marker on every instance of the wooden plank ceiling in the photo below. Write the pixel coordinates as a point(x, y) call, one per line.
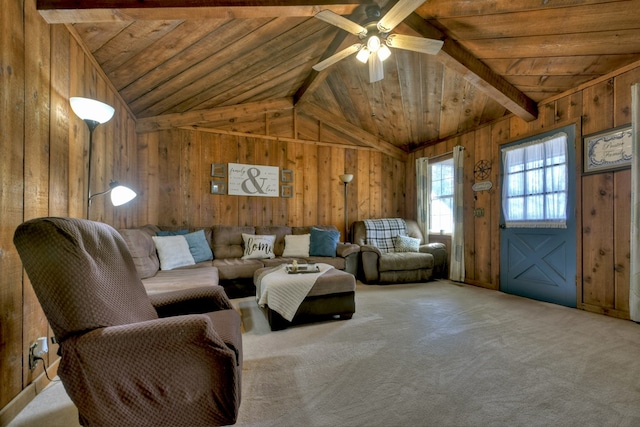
point(246, 66)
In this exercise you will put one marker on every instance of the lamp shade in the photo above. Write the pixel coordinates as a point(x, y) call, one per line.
point(363, 55)
point(346, 177)
point(384, 52)
point(121, 195)
point(90, 109)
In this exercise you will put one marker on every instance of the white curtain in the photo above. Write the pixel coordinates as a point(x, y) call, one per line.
point(423, 187)
point(456, 267)
point(534, 188)
point(634, 294)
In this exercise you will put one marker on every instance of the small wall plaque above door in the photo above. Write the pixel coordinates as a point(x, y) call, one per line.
point(482, 186)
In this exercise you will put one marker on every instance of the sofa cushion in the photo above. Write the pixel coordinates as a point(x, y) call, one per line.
point(142, 250)
point(323, 242)
point(236, 268)
point(296, 245)
point(280, 231)
point(226, 240)
point(173, 251)
point(195, 276)
point(258, 246)
point(406, 244)
point(198, 246)
point(405, 261)
point(171, 232)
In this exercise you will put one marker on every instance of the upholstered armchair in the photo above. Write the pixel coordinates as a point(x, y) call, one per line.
point(127, 359)
point(386, 258)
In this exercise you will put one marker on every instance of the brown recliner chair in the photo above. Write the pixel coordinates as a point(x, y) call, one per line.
point(378, 266)
point(127, 359)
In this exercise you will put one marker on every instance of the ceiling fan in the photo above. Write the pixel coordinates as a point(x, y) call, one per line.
point(375, 39)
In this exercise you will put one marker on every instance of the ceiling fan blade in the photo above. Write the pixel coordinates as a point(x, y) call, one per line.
point(341, 22)
point(376, 69)
point(397, 13)
point(416, 44)
point(338, 56)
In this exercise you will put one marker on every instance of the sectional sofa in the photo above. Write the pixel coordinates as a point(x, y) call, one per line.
point(223, 254)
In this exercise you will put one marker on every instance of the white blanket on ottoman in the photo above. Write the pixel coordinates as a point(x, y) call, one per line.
point(284, 292)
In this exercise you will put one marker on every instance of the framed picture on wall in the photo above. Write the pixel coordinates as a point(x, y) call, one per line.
point(607, 150)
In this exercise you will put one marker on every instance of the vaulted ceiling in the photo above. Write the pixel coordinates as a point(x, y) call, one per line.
point(217, 64)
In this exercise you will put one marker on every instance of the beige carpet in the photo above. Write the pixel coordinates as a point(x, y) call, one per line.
point(433, 354)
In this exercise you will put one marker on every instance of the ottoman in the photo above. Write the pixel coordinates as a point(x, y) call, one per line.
point(332, 295)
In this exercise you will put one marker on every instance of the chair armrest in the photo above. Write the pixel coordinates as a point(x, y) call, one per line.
point(166, 359)
point(191, 301)
point(432, 247)
point(345, 249)
point(440, 261)
point(370, 248)
point(370, 257)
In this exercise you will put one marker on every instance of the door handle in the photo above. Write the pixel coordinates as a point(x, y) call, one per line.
point(503, 226)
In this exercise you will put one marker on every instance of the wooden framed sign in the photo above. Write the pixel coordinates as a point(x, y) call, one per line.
point(253, 180)
point(607, 150)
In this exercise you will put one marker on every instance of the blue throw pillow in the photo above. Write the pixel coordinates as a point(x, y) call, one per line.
point(171, 233)
point(198, 246)
point(323, 242)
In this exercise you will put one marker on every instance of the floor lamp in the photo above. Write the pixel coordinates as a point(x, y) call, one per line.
point(346, 179)
point(94, 113)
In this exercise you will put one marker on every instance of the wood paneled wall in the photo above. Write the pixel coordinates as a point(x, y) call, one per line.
point(43, 166)
point(43, 172)
point(603, 199)
point(175, 166)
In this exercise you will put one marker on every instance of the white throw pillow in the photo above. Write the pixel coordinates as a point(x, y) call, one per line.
point(296, 245)
point(258, 246)
point(173, 252)
point(406, 244)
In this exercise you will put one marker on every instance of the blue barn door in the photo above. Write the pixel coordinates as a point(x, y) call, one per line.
point(538, 227)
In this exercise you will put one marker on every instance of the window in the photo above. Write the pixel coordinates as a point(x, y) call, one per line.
point(534, 190)
point(441, 197)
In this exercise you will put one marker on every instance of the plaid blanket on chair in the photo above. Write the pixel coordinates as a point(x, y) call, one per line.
point(380, 232)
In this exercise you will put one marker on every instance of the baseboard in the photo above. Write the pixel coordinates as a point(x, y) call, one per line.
point(619, 314)
point(18, 403)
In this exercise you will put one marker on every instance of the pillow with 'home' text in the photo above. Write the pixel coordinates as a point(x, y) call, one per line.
point(258, 246)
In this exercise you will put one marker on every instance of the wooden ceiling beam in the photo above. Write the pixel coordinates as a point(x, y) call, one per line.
point(315, 78)
point(81, 11)
point(364, 137)
point(455, 57)
point(193, 118)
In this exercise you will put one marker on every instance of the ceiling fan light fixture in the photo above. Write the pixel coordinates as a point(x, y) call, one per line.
point(384, 52)
point(363, 55)
point(373, 43)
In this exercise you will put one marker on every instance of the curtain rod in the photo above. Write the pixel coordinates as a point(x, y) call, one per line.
point(444, 154)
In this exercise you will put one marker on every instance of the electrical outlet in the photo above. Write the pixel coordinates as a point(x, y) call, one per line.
point(33, 362)
point(36, 351)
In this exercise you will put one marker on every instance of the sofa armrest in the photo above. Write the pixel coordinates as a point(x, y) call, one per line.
point(345, 249)
point(191, 301)
point(439, 252)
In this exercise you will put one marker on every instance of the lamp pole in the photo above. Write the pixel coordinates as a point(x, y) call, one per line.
point(346, 179)
point(92, 124)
